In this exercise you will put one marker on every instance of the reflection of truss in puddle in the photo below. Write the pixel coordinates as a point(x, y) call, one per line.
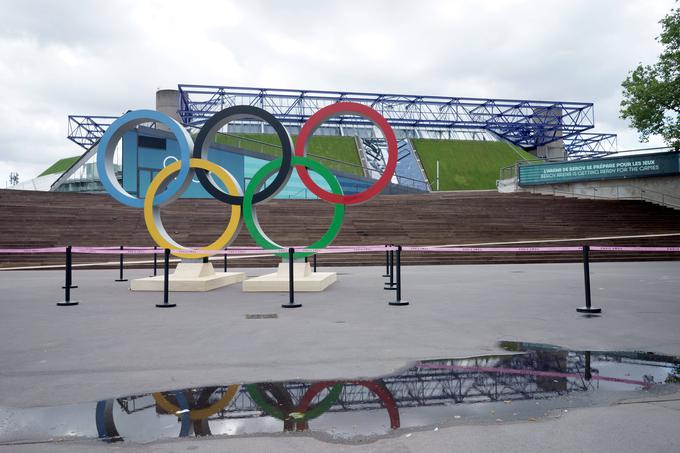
point(343, 408)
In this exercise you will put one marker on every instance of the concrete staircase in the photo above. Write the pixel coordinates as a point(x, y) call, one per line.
point(39, 219)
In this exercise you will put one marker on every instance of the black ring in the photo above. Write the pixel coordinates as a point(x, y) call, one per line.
point(205, 138)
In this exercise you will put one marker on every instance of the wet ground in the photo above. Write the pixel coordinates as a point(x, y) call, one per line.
point(62, 369)
point(529, 383)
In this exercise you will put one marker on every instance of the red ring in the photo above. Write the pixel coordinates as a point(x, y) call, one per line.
point(377, 389)
point(342, 108)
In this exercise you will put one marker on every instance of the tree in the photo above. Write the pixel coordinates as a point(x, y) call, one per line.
point(651, 94)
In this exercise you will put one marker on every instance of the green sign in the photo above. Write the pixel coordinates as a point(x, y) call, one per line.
point(639, 166)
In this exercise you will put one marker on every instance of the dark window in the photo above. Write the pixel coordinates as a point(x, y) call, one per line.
point(150, 142)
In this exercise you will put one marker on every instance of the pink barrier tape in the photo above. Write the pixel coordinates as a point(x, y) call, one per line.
point(117, 247)
point(492, 249)
point(339, 249)
point(151, 251)
point(229, 251)
point(606, 248)
point(481, 369)
point(36, 250)
point(116, 251)
point(370, 249)
point(373, 248)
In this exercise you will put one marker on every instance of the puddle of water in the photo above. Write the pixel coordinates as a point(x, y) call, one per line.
point(529, 382)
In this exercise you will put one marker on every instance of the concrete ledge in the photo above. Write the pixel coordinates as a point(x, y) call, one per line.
point(218, 280)
point(189, 277)
point(305, 280)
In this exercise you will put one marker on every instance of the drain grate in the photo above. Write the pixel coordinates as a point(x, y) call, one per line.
point(262, 316)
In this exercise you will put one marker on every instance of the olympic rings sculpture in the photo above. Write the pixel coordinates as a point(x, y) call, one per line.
point(173, 180)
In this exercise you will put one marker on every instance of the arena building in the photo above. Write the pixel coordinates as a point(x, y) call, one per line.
point(445, 143)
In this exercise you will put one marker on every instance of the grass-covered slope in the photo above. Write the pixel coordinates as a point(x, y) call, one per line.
point(60, 166)
point(466, 164)
point(321, 148)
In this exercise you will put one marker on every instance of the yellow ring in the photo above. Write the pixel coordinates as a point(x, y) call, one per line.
point(162, 238)
point(198, 414)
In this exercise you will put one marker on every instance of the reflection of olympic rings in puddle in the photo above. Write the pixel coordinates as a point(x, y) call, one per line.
point(293, 156)
point(283, 410)
point(376, 387)
point(106, 427)
point(305, 412)
point(174, 159)
point(198, 414)
point(273, 399)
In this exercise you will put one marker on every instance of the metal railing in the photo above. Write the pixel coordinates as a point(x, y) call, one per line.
point(623, 192)
point(511, 171)
point(264, 145)
point(508, 172)
point(403, 180)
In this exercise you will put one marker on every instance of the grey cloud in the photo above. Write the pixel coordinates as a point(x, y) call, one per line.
point(74, 23)
point(101, 57)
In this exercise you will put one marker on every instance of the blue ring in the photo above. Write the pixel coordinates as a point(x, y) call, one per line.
point(106, 427)
point(185, 427)
point(107, 146)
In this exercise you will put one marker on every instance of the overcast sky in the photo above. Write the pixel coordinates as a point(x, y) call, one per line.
point(105, 57)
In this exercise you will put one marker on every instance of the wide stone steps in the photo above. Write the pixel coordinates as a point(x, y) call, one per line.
point(39, 219)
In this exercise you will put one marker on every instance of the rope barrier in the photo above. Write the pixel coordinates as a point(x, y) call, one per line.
point(391, 251)
point(492, 249)
point(539, 373)
point(35, 250)
point(340, 249)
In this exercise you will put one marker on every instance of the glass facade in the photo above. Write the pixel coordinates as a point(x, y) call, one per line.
point(144, 158)
point(142, 153)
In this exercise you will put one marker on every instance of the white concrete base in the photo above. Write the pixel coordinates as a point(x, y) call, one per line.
point(189, 277)
point(304, 279)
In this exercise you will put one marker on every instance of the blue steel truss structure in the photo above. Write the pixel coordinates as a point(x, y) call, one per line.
point(86, 130)
point(590, 144)
point(526, 123)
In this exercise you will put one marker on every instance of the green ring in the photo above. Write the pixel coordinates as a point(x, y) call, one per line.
point(250, 215)
point(313, 412)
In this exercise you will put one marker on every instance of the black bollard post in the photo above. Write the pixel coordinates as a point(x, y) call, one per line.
point(387, 263)
point(588, 372)
point(67, 281)
point(166, 281)
point(155, 261)
point(225, 260)
point(120, 268)
point(291, 282)
point(588, 309)
point(399, 302)
point(69, 267)
point(314, 261)
point(391, 284)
